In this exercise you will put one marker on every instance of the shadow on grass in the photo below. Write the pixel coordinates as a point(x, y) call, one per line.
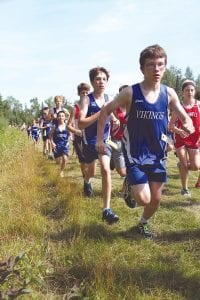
point(179, 236)
point(146, 279)
point(179, 203)
point(95, 232)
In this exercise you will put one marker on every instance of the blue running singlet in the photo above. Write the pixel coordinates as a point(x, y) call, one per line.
point(90, 133)
point(145, 136)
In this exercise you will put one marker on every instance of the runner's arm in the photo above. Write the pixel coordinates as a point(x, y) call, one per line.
point(123, 99)
point(84, 121)
point(70, 124)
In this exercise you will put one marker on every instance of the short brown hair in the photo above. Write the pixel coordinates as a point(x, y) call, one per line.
point(154, 51)
point(122, 87)
point(58, 97)
point(94, 72)
point(83, 87)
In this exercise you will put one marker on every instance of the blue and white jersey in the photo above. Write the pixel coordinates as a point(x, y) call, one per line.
point(46, 123)
point(145, 136)
point(90, 133)
point(61, 137)
point(35, 131)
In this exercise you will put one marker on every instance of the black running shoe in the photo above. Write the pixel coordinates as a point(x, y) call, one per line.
point(88, 191)
point(145, 230)
point(109, 216)
point(127, 195)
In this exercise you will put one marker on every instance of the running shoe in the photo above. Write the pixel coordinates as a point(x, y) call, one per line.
point(145, 230)
point(87, 188)
point(127, 195)
point(185, 192)
point(109, 216)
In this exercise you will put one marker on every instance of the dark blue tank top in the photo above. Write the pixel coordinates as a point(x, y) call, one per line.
point(60, 137)
point(90, 133)
point(35, 130)
point(146, 131)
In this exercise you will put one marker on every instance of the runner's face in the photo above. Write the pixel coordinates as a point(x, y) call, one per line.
point(100, 82)
point(61, 117)
point(58, 102)
point(154, 69)
point(189, 92)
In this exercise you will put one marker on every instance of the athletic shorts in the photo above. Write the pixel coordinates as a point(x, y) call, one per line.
point(46, 134)
point(61, 150)
point(139, 174)
point(78, 145)
point(118, 156)
point(90, 153)
point(178, 146)
point(35, 137)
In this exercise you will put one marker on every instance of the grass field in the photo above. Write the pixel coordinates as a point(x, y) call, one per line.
point(61, 249)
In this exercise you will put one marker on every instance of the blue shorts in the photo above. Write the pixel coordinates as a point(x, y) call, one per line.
point(61, 150)
point(35, 137)
point(139, 174)
point(90, 153)
point(78, 146)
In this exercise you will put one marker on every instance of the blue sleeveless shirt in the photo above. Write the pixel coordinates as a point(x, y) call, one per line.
point(146, 131)
point(90, 133)
point(60, 137)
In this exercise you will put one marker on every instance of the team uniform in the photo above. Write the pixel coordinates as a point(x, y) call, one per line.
point(54, 113)
point(78, 140)
point(90, 133)
point(145, 138)
point(192, 141)
point(61, 139)
point(45, 131)
point(35, 132)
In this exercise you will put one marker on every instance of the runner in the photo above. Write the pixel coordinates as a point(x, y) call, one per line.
point(35, 132)
point(59, 136)
point(89, 114)
point(146, 105)
point(83, 89)
point(58, 107)
point(46, 124)
point(28, 131)
point(187, 146)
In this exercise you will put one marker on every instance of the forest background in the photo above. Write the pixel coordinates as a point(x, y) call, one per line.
point(13, 112)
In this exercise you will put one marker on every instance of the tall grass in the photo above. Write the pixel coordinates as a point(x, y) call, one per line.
point(70, 252)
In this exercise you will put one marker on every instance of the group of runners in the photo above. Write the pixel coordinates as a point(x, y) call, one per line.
point(130, 133)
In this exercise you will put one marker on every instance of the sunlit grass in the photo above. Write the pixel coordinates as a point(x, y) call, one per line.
point(68, 249)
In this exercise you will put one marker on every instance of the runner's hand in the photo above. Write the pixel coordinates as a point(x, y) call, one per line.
point(188, 128)
point(101, 147)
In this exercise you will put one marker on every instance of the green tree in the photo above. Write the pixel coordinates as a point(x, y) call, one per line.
point(49, 102)
point(189, 74)
point(173, 78)
point(35, 107)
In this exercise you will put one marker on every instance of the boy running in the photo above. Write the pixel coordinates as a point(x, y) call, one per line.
point(146, 105)
point(91, 106)
point(60, 141)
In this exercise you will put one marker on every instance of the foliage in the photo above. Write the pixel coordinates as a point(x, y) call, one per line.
point(69, 253)
point(174, 78)
point(16, 114)
point(3, 124)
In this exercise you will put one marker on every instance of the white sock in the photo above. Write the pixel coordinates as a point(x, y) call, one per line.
point(143, 220)
point(87, 181)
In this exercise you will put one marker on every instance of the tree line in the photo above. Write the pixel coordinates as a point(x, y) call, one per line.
point(13, 111)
